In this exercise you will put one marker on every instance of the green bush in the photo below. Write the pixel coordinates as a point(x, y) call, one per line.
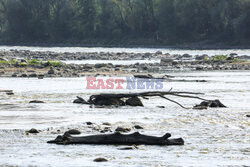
point(220, 57)
point(4, 62)
point(54, 63)
point(33, 62)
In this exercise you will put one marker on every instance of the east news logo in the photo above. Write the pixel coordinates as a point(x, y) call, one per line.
point(119, 83)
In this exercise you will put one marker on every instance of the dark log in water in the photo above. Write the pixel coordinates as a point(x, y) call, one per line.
point(118, 138)
point(132, 99)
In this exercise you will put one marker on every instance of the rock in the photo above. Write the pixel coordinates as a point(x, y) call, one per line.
point(186, 55)
point(174, 63)
point(158, 53)
point(100, 160)
point(74, 132)
point(51, 71)
point(102, 131)
point(36, 101)
point(106, 123)
point(100, 65)
point(233, 54)
point(89, 123)
point(23, 75)
point(198, 68)
point(134, 101)
point(121, 129)
point(202, 57)
point(23, 61)
point(126, 148)
point(14, 75)
point(40, 76)
point(33, 130)
point(33, 75)
point(230, 58)
point(166, 61)
point(209, 103)
point(161, 106)
point(138, 127)
point(248, 116)
point(9, 93)
point(143, 76)
point(80, 100)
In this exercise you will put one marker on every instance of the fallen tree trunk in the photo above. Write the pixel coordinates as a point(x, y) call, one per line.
point(132, 99)
point(118, 138)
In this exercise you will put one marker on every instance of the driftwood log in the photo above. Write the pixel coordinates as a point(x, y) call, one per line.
point(132, 99)
point(119, 139)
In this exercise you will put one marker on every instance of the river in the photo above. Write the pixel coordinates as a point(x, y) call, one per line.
point(210, 52)
point(212, 137)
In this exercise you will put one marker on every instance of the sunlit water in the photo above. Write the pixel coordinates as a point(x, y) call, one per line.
point(212, 137)
point(129, 50)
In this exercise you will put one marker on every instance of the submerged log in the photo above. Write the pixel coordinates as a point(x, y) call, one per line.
point(118, 138)
point(132, 99)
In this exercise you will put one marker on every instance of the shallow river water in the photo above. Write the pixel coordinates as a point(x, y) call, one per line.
point(210, 52)
point(212, 137)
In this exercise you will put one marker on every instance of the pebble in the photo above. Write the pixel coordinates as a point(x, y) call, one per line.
point(36, 101)
point(100, 160)
point(121, 129)
point(33, 130)
point(138, 127)
point(89, 123)
point(74, 132)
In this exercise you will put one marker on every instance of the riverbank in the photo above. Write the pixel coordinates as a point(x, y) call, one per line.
point(24, 63)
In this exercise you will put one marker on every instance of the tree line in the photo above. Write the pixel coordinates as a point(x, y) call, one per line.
point(159, 22)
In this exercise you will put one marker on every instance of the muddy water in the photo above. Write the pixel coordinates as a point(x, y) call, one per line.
point(212, 137)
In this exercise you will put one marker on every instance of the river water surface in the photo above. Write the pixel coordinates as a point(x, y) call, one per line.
point(210, 52)
point(212, 137)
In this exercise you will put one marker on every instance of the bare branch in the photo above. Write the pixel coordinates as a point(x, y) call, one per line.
point(174, 102)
